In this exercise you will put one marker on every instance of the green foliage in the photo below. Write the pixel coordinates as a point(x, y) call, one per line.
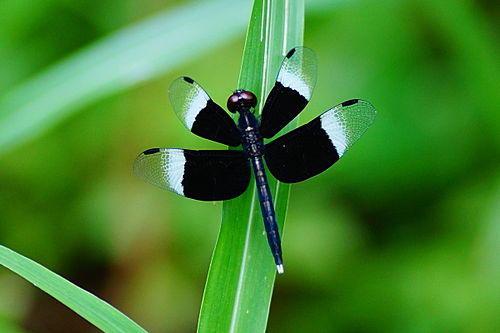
point(98, 312)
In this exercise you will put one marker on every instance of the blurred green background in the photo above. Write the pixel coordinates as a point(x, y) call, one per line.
point(403, 235)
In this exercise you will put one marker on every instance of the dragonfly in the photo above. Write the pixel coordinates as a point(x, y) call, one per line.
point(304, 152)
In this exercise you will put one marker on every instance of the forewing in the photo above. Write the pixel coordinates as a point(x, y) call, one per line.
point(291, 92)
point(207, 175)
point(200, 114)
point(317, 145)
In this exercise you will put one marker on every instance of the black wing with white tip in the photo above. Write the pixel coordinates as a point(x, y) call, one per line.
point(200, 114)
point(314, 147)
point(291, 92)
point(207, 175)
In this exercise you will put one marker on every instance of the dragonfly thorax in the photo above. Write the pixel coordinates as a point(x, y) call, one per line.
point(251, 139)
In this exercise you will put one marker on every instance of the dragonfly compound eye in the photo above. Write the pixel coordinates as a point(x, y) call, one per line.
point(240, 99)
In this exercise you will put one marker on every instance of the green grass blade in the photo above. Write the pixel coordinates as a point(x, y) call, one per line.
point(93, 309)
point(242, 272)
point(120, 61)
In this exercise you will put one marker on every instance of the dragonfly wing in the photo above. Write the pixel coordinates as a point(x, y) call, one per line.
point(314, 147)
point(291, 92)
point(200, 114)
point(207, 175)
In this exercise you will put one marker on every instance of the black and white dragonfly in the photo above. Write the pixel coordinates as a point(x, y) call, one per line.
point(212, 175)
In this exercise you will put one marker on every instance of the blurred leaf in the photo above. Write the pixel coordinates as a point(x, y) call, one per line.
point(124, 59)
point(240, 282)
point(8, 327)
point(95, 310)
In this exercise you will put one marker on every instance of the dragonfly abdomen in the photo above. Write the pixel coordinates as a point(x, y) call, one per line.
point(267, 209)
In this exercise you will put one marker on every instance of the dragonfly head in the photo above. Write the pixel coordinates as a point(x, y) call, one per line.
point(241, 99)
